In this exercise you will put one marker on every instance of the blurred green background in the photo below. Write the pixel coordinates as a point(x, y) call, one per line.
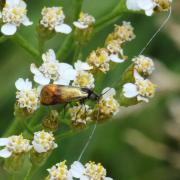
point(142, 142)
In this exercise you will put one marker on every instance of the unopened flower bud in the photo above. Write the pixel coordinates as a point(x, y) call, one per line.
point(51, 121)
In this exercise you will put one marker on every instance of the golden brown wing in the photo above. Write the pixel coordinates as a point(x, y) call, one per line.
point(58, 94)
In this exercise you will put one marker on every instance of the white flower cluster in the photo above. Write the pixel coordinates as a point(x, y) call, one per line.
point(13, 15)
point(16, 145)
point(115, 40)
point(43, 141)
point(149, 6)
point(142, 89)
point(99, 60)
point(113, 51)
point(80, 115)
point(143, 65)
point(85, 21)
point(108, 105)
point(53, 19)
point(59, 172)
point(91, 171)
point(27, 97)
point(83, 77)
point(51, 71)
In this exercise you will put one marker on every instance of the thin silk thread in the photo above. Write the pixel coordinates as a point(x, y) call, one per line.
point(157, 32)
point(88, 141)
point(145, 47)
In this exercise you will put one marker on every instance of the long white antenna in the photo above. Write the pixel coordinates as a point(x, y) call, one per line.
point(157, 32)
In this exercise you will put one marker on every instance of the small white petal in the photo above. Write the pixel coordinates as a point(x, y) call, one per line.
point(5, 153)
point(82, 66)
point(69, 176)
point(77, 169)
point(149, 12)
point(132, 5)
point(39, 148)
point(141, 98)
point(80, 25)
point(0, 15)
point(4, 141)
point(108, 92)
point(8, 29)
point(63, 28)
point(137, 76)
point(26, 21)
point(49, 56)
point(115, 58)
point(12, 2)
point(68, 74)
point(130, 90)
point(64, 66)
point(108, 178)
point(66, 71)
point(83, 177)
point(62, 81)
point(145, 4)
point(22, 4)
point(39, 88)
point(42, 80)
point(22, 84)
point(34, 69)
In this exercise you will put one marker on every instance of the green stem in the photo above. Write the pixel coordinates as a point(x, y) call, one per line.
point(41, 44)
point(26, 127)
point(76, 53)
point(13, 128)
point(110, 18)
point(78, 7)
point(25, 45)
point(65, 46)
point(30, 172)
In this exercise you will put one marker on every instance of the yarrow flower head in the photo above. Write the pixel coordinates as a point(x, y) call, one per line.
point(14, 145)
point(122, 33)
point(53, 19)
point(99, 60)
point(108, 105)
point(80, 115)
point(149, 6)
point(53, 71)
point(143, 65)
point(13, 15)
point(27, 97)
point(85, 20)
point(59, 172)
point(142, 89)
point(91, 171)
point(116, 53)
point(83, 77)
point(43, 142)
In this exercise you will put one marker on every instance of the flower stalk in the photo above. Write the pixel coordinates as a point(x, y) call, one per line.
point(19, 39)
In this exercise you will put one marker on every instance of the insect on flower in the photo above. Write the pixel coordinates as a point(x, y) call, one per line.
point(59, 94)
